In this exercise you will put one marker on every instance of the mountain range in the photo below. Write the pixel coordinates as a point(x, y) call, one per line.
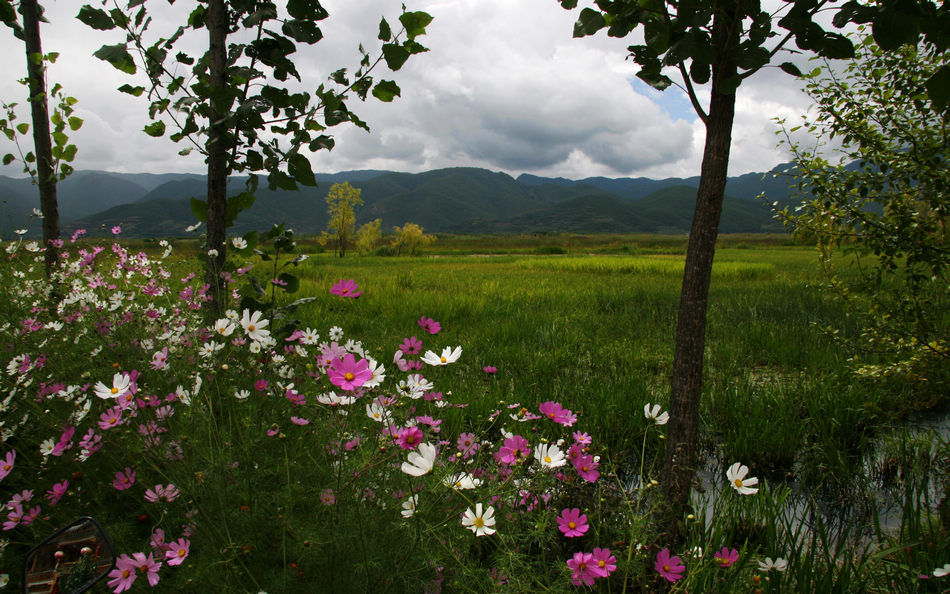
point(453, 200)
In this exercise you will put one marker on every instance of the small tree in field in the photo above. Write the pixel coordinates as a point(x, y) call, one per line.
point(410, 238)
point(367, 236)
point(886, 204)
point(341, 199)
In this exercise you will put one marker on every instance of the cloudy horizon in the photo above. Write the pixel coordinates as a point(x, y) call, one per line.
point(504, 87)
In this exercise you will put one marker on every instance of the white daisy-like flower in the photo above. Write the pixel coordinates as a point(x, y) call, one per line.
point(461, 481)
point(778, 564)
point(336, 333)
point(549, 455)
point(481, 523)
point(409, 506)
point(377, 374)
point(47, 447)
point(224, 327)
point(254, 347)
point(120, 385)
point(242, 394)
point(377, 412)
point(736, 475)
point(194, 227)
point(448, 356)
point(239, 242)
point(309, 337)
point(254, 326)
point(942, 571)
point(417, 383)
point(209, 348)
point(332, 398)
point(653, 413)
point(232, 315)
point(421, 461)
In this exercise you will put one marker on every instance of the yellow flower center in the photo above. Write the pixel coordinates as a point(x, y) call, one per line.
point(182, 552)
point(600, 563)
point(115, 390)
point(738, 482)
point(666, 568)
point(250, 327)
point(547, 459)
point(443, 359)
point(348, 376)
point(571, 525)
point(479, 522)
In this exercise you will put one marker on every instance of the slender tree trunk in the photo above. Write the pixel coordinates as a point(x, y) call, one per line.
point(681, 454)
point(217, 146)
point(42, 148)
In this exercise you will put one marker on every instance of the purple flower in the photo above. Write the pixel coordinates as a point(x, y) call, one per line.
point(671, 568)
point(348, 373)
point(346, 288)
point(572, 522)
point(430, 325)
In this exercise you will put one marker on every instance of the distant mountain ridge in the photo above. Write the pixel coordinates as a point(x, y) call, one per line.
point(456, 199)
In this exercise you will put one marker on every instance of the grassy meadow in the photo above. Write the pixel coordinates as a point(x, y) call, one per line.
point(850, 498)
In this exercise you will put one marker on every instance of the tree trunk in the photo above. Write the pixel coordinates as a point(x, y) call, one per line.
point(217, 147)
point(42, 148)
point(681, 451)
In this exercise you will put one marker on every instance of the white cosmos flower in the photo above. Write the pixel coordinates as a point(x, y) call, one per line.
point(479, 523)
point(942, 571)
point(653, 413)
point(332, 398)
point(46, 448)
point(120, 385)
point(461, 481)
point(736, 475)
point(224, 327)
point(239, 242)
point(420, 462)
point(336, 333)
point(409, 506)
point(448, 356)
point(310, 337)
point(377, 373)
point(254, 326)
point(242, 394)
point(778, 565)
point(377, 412)
point(209, 348)
point(549, 455)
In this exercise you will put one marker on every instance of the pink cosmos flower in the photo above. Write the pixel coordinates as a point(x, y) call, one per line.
point(168, 493)
point(572, 522)
point(124, 479)
point(147, 565)
point(348, 373)
point(57, 492)
point(111, 418)
point(581, 438)
point(430, 325)
point(467, 445)
point(160, 359)
point(14, 516)
point(490, 369)
point(671, 568)
point(557, 413)
point(587, 468)
point(327, 497)
point(513, 450)
point(606, 562)
point(726, 557)
point(177, 551)
point(123, 576)
point(411, 346)
point(7, 464)
point(299, 421)
point(409, 437)
point(116, 230)
point(346, 288)
point(158, 541)
point(65, 442)
point(584, 569)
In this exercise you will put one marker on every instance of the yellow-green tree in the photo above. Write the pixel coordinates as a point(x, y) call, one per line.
point(367, 236)
point(341, 200)
point(410, 238)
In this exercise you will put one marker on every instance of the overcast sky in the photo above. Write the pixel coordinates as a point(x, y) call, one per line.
point(504, 87)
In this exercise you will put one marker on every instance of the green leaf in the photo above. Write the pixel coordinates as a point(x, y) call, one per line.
point(892, 30)
point(699, 72)
point(199, 208)
point(59, 139)
point(938, 87)
point(415, 23)
point(155, 129)
point(306, 10)
point(298, 166)
point(293, 283)
point(118, 56)
point(386, 90)
point(569, 4)
point(8, 158)
point(303, 31)
point(95, 18)
point(385, 32)
point(395, 55)
point(321, 142)
point(589, 22)
point(69, 153)
point(130, 90)
point(23, 128)
point(790, 68)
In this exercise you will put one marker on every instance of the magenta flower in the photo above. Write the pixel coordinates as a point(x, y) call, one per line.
point(409, 437)
point(299, 421)
point(467, 444)
point(572, 522)
point(726, 557)
point(327, 497)
point(6, 465)
point(123, 576)
point(346, 288)
point(124, 479)
point(671, 568)
point(159, 493)
point(57, 492)
point(430, 325)
point(159, 359)
point(411, 346)
point(111, 418)
point(584, 569)
point(605, 562)
point(490, 369)
point(557, 413)
point(513, 450)
point(116, 230)
point(65, 442)
point(587, 468)
point(348, 373)
point(177, 551)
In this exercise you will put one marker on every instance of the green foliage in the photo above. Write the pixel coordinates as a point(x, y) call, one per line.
point(341, 200)
point(884, 204)
point(367, 236)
